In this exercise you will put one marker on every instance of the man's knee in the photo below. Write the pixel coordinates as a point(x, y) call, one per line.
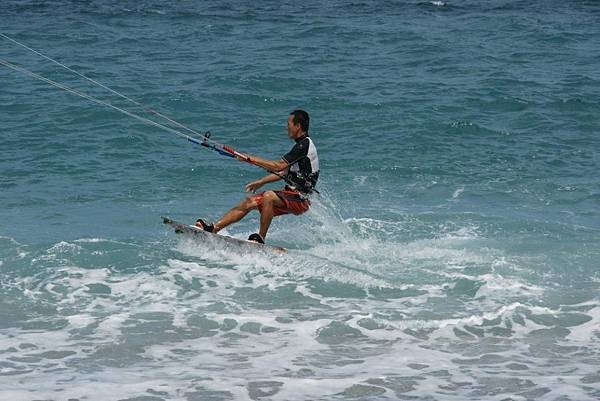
point(248, 204)
point(270, 197)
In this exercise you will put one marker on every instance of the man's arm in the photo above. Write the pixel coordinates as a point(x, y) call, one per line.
point(270, 165)
point(254, 185)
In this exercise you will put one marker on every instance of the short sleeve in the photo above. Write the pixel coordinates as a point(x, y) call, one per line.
point(299, 151)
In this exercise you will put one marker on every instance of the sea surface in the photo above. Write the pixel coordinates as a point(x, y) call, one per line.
point(453, 253)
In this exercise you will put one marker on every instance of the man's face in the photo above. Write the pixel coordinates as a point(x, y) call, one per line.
point(293, 129)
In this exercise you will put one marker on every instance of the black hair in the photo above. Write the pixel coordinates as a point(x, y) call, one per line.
point(301, 117)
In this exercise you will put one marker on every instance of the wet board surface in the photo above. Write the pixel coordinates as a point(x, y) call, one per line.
point(215, 239)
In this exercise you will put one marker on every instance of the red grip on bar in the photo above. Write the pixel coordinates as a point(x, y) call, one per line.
point(238, 154)
point(230, 150)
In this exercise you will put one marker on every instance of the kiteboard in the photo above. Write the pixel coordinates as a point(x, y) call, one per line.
point(218, 239)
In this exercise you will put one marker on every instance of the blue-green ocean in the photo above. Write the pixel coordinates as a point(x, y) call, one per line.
point(454, 250)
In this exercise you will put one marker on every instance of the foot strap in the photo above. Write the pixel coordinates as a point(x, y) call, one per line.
point(256, 238)
point(205, 226)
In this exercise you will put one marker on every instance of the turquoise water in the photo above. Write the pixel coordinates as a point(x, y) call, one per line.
point(452, 254)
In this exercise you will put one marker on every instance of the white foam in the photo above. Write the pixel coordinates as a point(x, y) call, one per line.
point(103, 240)
point(445, 326)
point(498, 286)
point(290, 346)
point(587, 332)
point(80, 320)
point(293, 264)
point(458, 192)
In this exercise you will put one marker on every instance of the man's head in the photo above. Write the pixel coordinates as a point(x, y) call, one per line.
point(297, 125)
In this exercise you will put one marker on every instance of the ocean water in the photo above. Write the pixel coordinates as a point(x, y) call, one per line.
point(453, 253)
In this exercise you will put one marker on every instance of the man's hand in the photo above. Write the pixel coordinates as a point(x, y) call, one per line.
point(244, 158)
point(253, 186)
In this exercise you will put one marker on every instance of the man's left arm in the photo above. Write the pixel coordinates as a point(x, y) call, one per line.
point(254, 185)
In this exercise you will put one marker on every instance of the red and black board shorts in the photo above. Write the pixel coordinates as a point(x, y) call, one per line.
point(293, 201)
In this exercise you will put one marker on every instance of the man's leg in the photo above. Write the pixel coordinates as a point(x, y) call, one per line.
point(269, 202)
point(236, 213)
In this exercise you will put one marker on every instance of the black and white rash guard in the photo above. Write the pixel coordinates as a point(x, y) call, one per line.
point(303, 165)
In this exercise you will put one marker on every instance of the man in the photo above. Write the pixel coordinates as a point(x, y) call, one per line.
point(300, 169)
